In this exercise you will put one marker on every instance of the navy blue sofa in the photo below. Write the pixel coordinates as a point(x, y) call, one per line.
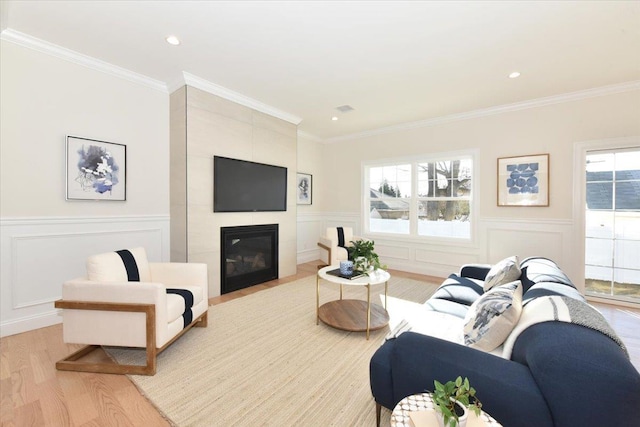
point(560, 374)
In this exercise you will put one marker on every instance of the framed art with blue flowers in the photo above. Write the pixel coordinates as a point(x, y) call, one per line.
point(523, 180)
point(96, 170)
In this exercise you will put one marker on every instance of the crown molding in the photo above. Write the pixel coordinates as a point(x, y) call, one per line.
point(500, 109)
point(215, 89)
point(223, 92)
point(43, 46)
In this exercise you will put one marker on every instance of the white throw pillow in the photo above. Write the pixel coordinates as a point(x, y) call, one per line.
point(492, 317)
point(505, 271)
point(110, 267)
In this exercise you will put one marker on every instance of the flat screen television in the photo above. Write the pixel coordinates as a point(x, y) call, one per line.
point(243, 186)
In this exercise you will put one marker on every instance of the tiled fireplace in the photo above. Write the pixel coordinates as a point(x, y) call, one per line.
point(249, 256)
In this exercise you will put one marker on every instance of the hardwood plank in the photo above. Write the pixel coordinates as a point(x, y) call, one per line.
point(6, 402)
point(53, 403)
point(29, 415)
point(5, 369)
point(102, 391)
point(82, 408)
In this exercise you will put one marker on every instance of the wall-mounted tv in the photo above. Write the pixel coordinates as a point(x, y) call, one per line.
point(243, 186)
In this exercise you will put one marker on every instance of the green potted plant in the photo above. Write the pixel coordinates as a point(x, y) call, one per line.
point(452, 400)
point(363, 256)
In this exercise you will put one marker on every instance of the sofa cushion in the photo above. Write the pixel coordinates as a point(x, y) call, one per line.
point(459, 289)
point(544, 289)
point(175, 307)
point(127, 265)
point(493, 316)
point(538, 269)
point(447, 307)
point(505, 271)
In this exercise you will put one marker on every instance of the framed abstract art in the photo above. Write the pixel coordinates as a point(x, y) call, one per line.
point(523, 180)
point(96, 170)
point(304, 188)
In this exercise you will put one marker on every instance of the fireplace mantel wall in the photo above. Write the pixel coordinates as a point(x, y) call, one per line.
point(204, 125)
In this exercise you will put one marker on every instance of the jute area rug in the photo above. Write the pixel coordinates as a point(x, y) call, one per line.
point(263, 361)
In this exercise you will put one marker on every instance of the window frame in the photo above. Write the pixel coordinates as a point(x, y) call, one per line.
point(414, 200)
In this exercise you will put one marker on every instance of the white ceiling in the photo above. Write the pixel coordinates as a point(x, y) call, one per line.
point(394, 62)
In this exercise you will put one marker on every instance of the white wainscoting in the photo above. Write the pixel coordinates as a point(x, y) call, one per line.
point(497, 239)
point(549, 238)
point(310, 226)
point(39, 254)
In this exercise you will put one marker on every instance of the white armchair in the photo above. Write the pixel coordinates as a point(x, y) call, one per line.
point(335, 241)
point(126, 301)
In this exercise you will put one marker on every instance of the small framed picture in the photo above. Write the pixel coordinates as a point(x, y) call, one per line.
point(304, 188)
point(96, 170)
point(523, 180)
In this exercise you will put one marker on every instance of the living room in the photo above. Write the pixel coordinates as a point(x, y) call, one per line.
point(51, 89)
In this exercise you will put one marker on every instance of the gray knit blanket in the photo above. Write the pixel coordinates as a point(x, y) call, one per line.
point(560, 309)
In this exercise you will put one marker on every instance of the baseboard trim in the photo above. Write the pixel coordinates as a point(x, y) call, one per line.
point(29, 323)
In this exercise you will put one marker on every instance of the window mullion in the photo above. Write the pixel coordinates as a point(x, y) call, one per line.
point(413, 203)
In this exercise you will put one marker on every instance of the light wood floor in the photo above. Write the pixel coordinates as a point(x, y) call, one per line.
point(34, 393)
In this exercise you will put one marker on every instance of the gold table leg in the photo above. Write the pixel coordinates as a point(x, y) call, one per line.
point(386, 284)
point(317, 299)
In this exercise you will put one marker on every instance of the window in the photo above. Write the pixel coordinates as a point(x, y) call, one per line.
point(425, 197)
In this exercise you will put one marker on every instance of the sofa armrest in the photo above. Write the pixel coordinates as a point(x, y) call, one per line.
point(179, 274)
point(572, 365)
point(116, 292)
point(475, 271)
point(506, 389)
point(113, 328)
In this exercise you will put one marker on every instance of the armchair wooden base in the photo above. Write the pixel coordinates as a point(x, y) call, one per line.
point(73, 362)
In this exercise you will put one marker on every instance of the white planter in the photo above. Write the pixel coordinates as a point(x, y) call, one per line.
point(462, 420)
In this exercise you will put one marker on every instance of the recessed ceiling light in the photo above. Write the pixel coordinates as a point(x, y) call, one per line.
point(514, 75)
point(334, 118)
point(173, 40)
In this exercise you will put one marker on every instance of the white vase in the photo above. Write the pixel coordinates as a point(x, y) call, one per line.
point(462, 420)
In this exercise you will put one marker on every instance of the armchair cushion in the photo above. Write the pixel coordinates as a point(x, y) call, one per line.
point(127, 265)
point(187, 297)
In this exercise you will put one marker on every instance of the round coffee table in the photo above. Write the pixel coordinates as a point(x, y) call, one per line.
point(423, 402)
point(350, 314)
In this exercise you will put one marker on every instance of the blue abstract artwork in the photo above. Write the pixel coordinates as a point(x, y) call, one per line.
point(95, 170)
point(522, 178)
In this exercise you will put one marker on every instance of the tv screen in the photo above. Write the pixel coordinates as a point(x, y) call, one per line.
point(242, 186)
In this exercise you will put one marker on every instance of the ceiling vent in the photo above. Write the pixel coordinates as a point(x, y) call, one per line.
point(345, 108)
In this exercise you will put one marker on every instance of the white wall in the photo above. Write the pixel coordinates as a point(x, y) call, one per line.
point(44, 237)
point(501, 231)
point(310, 219)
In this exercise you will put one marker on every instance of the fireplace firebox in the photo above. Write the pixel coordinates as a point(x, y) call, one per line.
point(249, 256)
